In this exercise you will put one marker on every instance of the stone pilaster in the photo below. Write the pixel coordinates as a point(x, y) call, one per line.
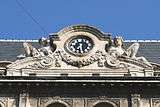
point(135, 100)
point(78, 102)
point(24, 100)
point(123, 102)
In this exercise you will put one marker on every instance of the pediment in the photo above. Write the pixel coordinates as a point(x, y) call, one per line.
point(79, 48)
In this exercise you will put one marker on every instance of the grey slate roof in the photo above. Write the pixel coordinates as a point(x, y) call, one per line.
point(10, 50)
point(149, 50)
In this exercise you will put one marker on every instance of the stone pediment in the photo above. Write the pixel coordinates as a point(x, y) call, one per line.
point(80, 48)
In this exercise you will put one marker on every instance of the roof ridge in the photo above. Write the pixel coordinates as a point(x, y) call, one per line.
point(142, 40)
point(18, 40)
point(34, 40)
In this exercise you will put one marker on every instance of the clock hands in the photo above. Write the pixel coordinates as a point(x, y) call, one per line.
point(80, 47)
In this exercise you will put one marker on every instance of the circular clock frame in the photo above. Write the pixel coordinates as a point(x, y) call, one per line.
point(69, 33)
point(79, 45)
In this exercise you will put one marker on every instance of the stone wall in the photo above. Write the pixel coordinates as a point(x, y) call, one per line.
point(23, 101)
point(78, 95)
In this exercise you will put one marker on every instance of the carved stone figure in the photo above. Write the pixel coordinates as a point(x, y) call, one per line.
point(81, 47)
point(118, 51)
point(45, 47)
point(30, 51)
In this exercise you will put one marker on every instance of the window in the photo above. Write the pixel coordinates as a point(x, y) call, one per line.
point(104, 104)
point(56, 105)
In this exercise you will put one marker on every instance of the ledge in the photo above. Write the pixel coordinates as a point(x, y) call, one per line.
point(80, 79)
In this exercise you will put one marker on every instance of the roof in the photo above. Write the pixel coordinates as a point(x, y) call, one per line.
point(9, 50)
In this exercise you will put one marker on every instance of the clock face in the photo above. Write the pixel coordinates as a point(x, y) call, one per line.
point(80, 45)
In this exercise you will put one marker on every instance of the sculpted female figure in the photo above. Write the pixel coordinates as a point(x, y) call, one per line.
point(30, 51)
point(118, 51)
point(45, 49)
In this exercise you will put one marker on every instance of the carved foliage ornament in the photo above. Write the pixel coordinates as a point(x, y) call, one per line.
point(102, 60)
point(81, 46)
point(59, 56)
point(98, 57)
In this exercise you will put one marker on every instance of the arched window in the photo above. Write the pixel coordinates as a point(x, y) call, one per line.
point(56, 104)
point(103, 104)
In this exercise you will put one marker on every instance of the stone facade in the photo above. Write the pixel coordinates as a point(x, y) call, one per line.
point(129, 93)
point(80, 66)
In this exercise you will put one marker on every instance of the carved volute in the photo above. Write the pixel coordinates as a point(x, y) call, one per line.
point(81, 47)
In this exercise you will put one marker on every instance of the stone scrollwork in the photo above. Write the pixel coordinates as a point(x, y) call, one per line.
point(51, 57)
point(103, 60)
point(99, 57)
point(45, 62)
point(55, 60)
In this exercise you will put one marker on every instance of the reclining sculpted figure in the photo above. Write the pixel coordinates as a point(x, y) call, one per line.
point(45, 48)
point(118, 51)
point(31, 51)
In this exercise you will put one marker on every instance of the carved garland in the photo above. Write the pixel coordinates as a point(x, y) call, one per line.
point(55, 59)
point(102, 60)
point(99, 57)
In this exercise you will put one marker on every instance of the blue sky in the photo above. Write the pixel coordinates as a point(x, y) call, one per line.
point(134, 19)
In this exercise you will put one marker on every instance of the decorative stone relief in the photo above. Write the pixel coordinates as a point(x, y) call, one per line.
point(81, 46)
point(3, 101)
point(113, 101)
point(156, 102)
point(135, 98)
point(44, 101)
point(7, 102)
point(43, 63)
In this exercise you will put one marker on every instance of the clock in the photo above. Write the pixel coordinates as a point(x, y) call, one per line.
point(80, 45)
